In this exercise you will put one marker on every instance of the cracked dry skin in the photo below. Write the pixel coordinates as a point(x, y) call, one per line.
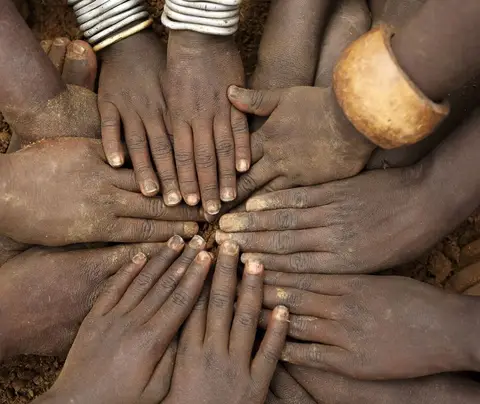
point(24, 378)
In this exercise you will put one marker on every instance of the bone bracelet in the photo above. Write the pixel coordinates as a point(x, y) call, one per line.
point(104, 22)
point(377, 96)
point(214, 17)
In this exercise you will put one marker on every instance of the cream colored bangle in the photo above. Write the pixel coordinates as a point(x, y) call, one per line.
point(122, 35)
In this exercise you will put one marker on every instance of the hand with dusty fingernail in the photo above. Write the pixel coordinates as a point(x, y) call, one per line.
point(125, 349)
point(374, 327)
point(79, 198)
point(208, 133)
point(214, 360)
point(130, 96)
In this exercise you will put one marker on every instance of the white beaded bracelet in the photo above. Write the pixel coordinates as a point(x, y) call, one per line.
point(215, 17)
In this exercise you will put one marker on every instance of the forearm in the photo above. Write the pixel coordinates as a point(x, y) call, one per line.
point(24, 66)
point(290, 45)
point(438, 47)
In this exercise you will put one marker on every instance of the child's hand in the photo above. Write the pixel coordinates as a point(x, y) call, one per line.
point(130, 96)
point(214, 362)
point(125, 349)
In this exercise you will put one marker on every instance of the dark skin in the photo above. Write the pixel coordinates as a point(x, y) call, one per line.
point(330, 388)
point(47, 292)
point(214, 360)
point(211, 140)
point(80, 198)
point(125, 349)
point(130, 93)
point(341, 317)
point(34, 99)
point(284, 389)
point(374, 221)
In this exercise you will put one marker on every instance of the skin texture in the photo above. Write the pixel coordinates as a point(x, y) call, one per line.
point(35, 100)
point(210, 138)
point(284, 389)
point(330, 388)
point(214, 360)
point(370, 222)
point(80, 198)
point(47, 292)
point(125, 350)
point(341, 317)
point(130, 93)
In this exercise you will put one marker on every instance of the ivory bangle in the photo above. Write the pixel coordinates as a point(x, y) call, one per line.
point(377, 96)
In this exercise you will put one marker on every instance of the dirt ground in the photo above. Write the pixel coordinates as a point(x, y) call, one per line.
point(24, 378)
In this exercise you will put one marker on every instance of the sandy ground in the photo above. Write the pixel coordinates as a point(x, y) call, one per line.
point(22, 379)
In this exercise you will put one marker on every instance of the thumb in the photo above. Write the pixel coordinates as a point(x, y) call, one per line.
point(258, 102)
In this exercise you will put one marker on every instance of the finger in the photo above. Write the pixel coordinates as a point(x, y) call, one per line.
point(162, 154)
point(179, 305)
point(271, 399)
point(322, 262)
point(267, 357)
point(323, 357)
point(168, 282)
point(206, 164)
point(193, 333)
point(225, 149)
point(280, 219)
point(310, 329)
point(297, 198)
point(185, 161)
point(130, 204)
point(260, 174)
point(303, 302)
point(279, 242)
point(111, 139)
point(332, 285)
point(258, 102)
point(222, 296)
point(128, 230)
point(58, 51)
point(248, 309)
point(118, 285)
point(152, 272)
point(159, 384)
point(80, 67)
point(284, 386)
point(241, 136)
point(257, 140)
point(46, 45)
point(137, 145)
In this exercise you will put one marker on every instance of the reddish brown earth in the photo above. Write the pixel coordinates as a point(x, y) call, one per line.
point(22, 379)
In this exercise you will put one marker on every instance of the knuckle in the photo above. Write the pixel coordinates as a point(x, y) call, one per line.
point(108, 123)
point(256, 99)
point(299, 198)
point(299, 263)
point(156, 207)
point(144, 279)
point(136, 140)
point(285, 220)
point(225, 147)
point(303, 282)
point(204, 158)
point(292, 299)
point(239, 126)
point(147, 230)
point(270, 355)
point(183, 158)
point(247, 184)
point(161, 149)
point(246, 320)
point(181, 298)
point(282, 242)
point(299, 325)
point(168, 282)
point(220, 299)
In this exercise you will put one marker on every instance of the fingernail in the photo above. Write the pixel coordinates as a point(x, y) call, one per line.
point(45, 45)
point(172, 198)
point(229, 248)
point(59, 41)
point(249, 257)
point(212, 207)
point(176, 243)
point(139, 258)
point(78, 49)
point(281, 313)
point(242, 166)
point(233, 91)
point(197, 242)
point(253, 268)
point(285, 357)
point(190, 229)
point(221, 237)
point(192, 199)
point(150, 187)
point(203, 256)
point(233, 222)
point(228, 194)
point(256, 204)
point(115, 160)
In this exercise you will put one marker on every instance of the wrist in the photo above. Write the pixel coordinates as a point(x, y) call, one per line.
point(136, 44)
point(198, 43)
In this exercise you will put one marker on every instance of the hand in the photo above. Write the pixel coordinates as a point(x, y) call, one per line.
point(306, 140)
point(284, 389)
point(214, 362)
point(45, 293)
point(130, 94)
point(341, 318)
point(125, 351)
point(207, 131)
point(79, 198)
